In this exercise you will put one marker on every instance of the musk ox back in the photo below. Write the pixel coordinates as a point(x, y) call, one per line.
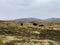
point(41, 25)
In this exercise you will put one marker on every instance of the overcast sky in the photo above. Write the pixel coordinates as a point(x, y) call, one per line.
point(14, 9)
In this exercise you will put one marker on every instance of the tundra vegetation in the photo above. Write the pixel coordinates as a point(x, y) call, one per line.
point(29, 33)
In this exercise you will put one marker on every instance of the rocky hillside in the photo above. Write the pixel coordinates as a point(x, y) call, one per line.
point(38, 20)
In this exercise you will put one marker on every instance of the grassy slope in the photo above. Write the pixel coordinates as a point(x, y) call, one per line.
point(30, 32)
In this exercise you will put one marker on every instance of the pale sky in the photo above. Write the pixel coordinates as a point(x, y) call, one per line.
point(14, 9)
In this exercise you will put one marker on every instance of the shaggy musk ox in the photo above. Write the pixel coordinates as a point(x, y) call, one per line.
point(35, 24)
point(21, 24)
